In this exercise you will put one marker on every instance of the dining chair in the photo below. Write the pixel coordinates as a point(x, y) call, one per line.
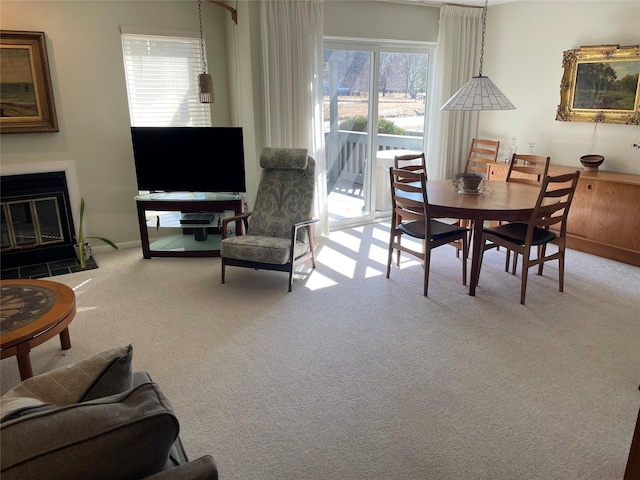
point(410, 216)
point(552, 208)
point(414, 162)
point(481, 153)
point(529, 169)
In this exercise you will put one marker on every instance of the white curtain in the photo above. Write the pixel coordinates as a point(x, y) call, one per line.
point(292, 53)
point(457, 60)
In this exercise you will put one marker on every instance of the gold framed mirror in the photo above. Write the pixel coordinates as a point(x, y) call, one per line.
point(600, 84)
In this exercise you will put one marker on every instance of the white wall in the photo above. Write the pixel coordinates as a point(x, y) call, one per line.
point(523, 57)
point(85, 56)
point(381, 20)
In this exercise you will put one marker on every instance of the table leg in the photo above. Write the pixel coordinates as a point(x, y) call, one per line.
point(24, 362)
point(65, 339)
point(476, 254)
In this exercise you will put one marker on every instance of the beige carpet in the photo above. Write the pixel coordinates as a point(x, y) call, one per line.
point(353, 376)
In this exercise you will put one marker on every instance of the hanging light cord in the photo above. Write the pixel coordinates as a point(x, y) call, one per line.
point(204, 62)
point(484, 26)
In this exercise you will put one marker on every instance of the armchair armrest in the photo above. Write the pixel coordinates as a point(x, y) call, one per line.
point(305, 223)
point(243, 216)
point(294, 233)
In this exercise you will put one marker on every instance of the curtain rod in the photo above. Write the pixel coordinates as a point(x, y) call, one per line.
point(234, 13)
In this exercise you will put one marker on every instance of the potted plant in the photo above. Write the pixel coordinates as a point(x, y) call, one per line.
point(82, 247)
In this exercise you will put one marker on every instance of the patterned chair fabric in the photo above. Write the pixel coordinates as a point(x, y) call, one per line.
point(284, 200)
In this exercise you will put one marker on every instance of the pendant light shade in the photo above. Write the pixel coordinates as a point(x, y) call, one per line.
point(205, 87)
point(205, 82)
point(479, 93)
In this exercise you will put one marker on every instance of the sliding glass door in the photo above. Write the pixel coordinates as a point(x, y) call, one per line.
point(375, 98)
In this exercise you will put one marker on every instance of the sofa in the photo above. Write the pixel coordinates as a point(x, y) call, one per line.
point(95, 419)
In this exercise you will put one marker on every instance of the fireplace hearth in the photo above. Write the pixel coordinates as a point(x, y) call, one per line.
point(37, 223)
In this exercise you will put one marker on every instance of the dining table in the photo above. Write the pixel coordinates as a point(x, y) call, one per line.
point(506, 201)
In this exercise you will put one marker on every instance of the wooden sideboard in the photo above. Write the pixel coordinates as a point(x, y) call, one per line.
point(604, 219)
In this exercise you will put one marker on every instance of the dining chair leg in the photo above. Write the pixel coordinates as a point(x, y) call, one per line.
point(515, 263)
point(427, 265)
point(542, 250)
point(465, 253)
point(561, 271)
point(390, 254)
point(463, 223)
point(470, 236)
point(480, 262)
point(525, 272)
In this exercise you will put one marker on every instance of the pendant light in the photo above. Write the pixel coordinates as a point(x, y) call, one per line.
point(479, 93)
point(205, 82)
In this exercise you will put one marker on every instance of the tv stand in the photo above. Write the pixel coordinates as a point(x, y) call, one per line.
point(192, 240)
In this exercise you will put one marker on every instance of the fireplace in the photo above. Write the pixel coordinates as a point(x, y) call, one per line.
point(37, 221)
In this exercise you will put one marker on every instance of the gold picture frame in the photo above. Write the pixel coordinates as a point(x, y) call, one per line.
point(26, 96)
point(600, 84)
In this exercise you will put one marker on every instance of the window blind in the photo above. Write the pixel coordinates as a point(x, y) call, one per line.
point(162, 81)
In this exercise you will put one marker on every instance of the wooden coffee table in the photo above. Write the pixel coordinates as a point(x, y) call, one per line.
point(32, 312)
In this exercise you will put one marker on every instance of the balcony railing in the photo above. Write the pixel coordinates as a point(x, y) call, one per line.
point(351, 153)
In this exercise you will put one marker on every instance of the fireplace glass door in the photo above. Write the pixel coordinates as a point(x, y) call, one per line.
point(31, 223)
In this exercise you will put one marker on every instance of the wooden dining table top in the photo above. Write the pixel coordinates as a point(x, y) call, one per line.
point(500, 200)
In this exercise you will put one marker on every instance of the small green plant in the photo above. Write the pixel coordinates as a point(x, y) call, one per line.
point(360, 124)
point(82, 244)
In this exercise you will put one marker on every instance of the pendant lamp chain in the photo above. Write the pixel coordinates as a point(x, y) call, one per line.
point(484, 27)
point(205, 82)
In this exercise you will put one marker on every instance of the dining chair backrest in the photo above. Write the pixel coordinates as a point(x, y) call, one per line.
point(408, 196)
point(556, 191)
point(528, 168)
point(414, 162)
point(410, 216)
point(480, 154)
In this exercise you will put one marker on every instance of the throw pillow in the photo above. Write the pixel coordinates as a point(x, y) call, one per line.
point(122, 436)
point(70, 384)
point(116, 378)
point(14, 407)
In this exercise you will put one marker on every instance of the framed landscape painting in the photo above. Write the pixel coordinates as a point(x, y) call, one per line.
point(26, 96)
point(600, 84)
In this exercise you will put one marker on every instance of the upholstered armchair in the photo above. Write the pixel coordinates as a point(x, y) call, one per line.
point(278, 229)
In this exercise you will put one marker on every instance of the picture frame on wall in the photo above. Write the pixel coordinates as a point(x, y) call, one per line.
point(26, 96)
point(601, 84)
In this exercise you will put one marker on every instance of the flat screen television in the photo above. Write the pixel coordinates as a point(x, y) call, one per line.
point(189, 159)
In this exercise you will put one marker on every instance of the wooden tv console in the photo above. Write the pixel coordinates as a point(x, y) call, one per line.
point(604, 219)
point(167, 209)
